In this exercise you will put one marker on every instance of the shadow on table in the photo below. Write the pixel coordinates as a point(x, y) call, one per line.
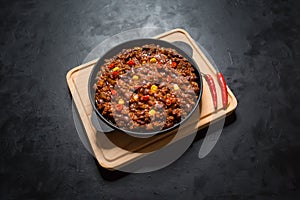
point(112, 175)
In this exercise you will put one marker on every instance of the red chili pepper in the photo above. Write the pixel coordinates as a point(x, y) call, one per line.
point(119, 107)
point(223, 86)
point(168, 101)
point(111, 66)
point(113, 92)
point(130, 62)
point(145, 98)
point(174, 64)
point(212, 88)
point(159, 65)
point(115, 74)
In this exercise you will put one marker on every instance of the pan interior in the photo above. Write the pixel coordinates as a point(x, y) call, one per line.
point(131, 44)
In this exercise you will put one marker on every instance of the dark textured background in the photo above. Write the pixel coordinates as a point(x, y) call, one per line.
point(255, 43)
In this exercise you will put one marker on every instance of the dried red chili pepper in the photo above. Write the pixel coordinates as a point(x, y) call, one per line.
point(159, 65)
point(174, 64)
point(130, 62)
point(145, 98)
point(212, 88)
point(112, 65)
point(113, 92)
point(168, 101)
point(115, 74)
point(223, 86)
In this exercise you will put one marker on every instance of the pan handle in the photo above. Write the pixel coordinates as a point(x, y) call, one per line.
point(99, 125)
point(184, 47)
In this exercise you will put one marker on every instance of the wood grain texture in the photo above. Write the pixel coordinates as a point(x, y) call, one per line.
point(118, 149)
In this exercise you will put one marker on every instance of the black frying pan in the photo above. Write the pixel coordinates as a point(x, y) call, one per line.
point(102, 124)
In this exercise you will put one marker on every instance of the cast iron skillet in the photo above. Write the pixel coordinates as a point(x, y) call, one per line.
point(103, 125)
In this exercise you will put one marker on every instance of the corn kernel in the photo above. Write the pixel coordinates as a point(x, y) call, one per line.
point(116, 69)
point(136, 97)
point(153, 60)
point(144, 62)
point(121, 101)
point(135, 77)
point(152, 112)
point(176, 87)
point(154, 88)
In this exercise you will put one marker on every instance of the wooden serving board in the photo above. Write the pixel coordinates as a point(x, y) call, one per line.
point(116, 149)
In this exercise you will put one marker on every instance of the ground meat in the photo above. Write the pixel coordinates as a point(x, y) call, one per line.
point(146, 88)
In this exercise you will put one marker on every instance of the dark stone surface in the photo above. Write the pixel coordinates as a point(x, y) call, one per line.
point(256, 45)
